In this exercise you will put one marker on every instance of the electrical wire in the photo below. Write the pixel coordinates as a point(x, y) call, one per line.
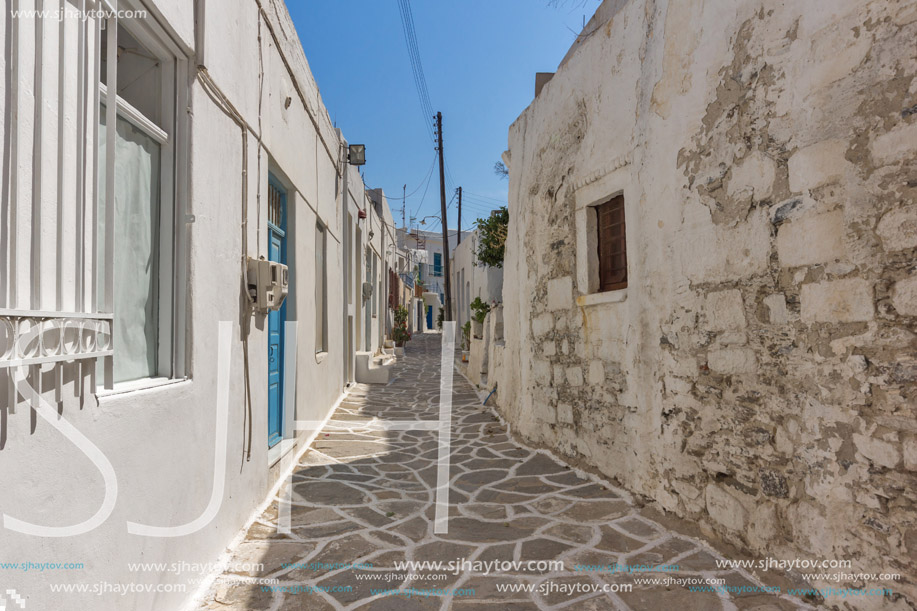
point(478, 202)
point(424, 196)
point(427, 177)
point(420, 81)
point(477, 209)
point(485, 204)
point(485, 197)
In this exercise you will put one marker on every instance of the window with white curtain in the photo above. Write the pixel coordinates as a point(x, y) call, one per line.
point(142, 222)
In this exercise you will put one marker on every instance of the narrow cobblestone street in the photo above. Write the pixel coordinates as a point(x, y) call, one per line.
point(366, 497)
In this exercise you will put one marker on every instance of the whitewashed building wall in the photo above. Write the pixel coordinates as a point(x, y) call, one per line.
point(240, 103)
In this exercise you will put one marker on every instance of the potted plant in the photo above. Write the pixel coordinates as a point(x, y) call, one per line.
point(466, 341)
point(400, 331)
point(479, 313)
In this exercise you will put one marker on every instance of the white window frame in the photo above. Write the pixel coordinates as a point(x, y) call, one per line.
point(174, 158)
point(588, 196)
point(321, 343)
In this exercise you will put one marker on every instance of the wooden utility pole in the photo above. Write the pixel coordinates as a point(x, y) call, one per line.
point(442, 202)
point(459, 238)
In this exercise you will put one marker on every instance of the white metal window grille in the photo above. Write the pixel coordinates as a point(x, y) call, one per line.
point(53, 316)
point(57, 230)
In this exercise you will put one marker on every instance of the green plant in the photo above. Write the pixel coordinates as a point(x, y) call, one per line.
point(480, 309)
point(401, 335)
point(466, 335)
point(401, 316)
point(400, 332)
point(439, 319)
point(492, 237)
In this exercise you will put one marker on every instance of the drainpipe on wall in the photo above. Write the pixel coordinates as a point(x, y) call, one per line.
point(348, 254)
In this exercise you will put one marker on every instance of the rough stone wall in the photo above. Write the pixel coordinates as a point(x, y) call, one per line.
point(759, 373)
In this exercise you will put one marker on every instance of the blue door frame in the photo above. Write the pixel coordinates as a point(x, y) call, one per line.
point(277, 251)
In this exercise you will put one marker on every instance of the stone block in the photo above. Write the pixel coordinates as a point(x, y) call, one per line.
point(558, 375)
point(877, 451)
point(776, 308)
point(898, 229)
point(549, 348)
point(762, 528)
point(753, 177)
point(542, 324)
point(596, 373)
point(544, 411)
point(711, 253)
point(811, 239)
point(732, 338)
point(732, 361)
point(817, 165)
point(725, 310)
point(575, 376)
point(541, 371)
point(560, 293)
point(565, 413)
point(910, 453)
point(846, 300)
point(809, 526)
point(725, 508)
point(904, 296)
point(896, 144)
point(773, 483)
point(677, 385)
point(685, 489)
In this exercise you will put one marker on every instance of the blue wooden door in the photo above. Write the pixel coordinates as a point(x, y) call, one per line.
point(277, 251)
point(429, 317)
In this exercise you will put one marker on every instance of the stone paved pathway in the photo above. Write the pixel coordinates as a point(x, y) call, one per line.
point(366, 497)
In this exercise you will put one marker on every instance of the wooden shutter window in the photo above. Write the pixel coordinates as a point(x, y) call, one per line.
point(612, 244)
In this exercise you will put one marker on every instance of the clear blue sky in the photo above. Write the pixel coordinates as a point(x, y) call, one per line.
point(479, 58)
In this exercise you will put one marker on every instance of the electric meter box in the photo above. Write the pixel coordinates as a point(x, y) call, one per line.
point(268, 283)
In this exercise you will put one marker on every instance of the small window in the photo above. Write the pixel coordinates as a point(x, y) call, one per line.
point(375, 283)
point(611, 244)
point(321, 285)
point(437, 264)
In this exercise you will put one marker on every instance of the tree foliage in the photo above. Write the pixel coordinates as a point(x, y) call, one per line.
point(492, 237)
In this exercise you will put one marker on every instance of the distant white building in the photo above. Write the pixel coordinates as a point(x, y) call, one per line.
point(428, 255)
point(472, 279)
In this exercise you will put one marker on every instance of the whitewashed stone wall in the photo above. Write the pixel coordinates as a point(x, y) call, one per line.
point(759, 373)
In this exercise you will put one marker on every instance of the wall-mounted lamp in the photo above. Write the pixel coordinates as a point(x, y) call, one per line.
point(371, 234)
point(361, 214)
point(356, 154)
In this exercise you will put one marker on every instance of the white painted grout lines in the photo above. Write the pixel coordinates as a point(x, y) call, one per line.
point(447, 364)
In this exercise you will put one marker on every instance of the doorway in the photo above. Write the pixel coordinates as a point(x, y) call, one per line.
point(277, 251)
